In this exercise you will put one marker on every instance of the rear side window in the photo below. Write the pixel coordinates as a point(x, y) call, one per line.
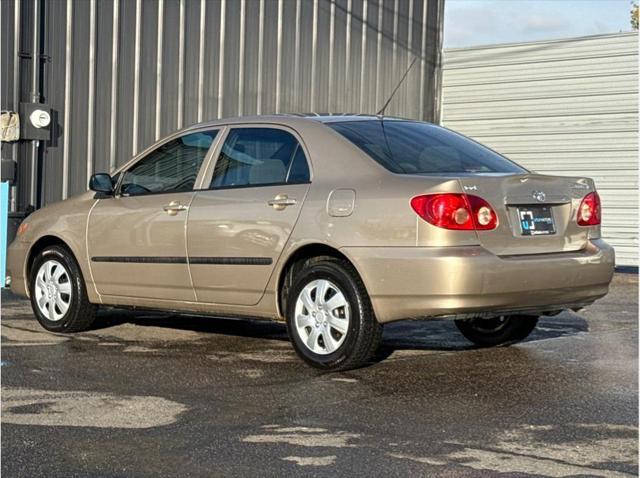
point(172, 167)
point(259, 156)
point(407, 147)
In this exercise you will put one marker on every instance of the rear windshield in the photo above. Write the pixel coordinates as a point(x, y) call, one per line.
point(407, 147)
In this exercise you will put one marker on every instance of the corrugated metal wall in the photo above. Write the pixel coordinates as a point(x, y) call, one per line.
point(120, 74)
point(559, 107)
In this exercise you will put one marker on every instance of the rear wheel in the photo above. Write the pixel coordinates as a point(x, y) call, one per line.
point(503, 330)
point(329, 316)
point(58, 295)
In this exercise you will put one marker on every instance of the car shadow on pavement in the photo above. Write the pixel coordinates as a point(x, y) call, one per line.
point(239, 327)
point(442, 334)
point(433, 335)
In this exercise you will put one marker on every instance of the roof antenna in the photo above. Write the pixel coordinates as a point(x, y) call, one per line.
point(381, 112)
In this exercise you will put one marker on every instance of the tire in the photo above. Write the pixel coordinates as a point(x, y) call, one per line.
point(503, 330)
point(58, 293)
point(346, 336)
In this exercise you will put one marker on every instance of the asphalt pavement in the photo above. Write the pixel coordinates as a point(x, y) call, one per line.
point(150, 395)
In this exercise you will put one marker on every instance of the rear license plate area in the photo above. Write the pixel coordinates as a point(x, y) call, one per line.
point(536, 220)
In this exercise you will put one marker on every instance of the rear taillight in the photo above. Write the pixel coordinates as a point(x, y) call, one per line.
point(455, 211)
point(589, 212)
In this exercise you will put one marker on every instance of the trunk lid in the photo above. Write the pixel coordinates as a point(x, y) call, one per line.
point(521, 197)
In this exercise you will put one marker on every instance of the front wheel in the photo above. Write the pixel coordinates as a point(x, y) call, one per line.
point(329, 316)
point(503, 330)
point(58, 295)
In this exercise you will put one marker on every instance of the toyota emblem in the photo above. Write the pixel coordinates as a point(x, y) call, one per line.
point(539, 196)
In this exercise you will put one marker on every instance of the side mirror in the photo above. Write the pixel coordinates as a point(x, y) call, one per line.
point(101, 183)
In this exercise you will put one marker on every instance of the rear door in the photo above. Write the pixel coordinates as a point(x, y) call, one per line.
point(136, 239)
point(536, 213)
point(238, 227)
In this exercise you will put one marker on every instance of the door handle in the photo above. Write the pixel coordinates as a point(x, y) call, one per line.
point(174, 207)
point(281, 201)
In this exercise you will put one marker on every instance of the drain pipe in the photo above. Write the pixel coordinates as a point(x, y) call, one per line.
point(16, 96)
point(35, 98)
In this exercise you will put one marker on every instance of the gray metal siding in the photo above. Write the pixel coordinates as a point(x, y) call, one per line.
point(178, 62)
point(565, 107)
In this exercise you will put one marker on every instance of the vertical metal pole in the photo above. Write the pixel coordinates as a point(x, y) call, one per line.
point(396, 8)
point(243, 15)
point(423, 53)
point(35, 50)
point(35, 97)
point(203, 24)
point(332, 34)
point(223, 14)
point(136, 75)
point(181, 67)
point(159, 68)
point(314, 47)
point(394, 57)
point(114, 84)
point(296, 59)
point(260, 54)
point(379, 57)
point(92, 88)
point(16, 91)
point(279, 56)
point(409, 51)
point(68, 60)
point(347, 54)
point(364, 55)
point(438, 75)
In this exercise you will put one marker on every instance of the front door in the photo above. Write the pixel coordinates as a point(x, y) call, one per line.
point(136, 239)
point(238, 227)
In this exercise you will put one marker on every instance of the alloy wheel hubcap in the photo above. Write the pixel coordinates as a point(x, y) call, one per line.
point(322, 316)
point(53, 290)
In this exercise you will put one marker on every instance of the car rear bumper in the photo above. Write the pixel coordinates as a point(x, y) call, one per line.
point(419, 282)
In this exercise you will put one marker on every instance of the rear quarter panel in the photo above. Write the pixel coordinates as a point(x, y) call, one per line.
point(382, 215)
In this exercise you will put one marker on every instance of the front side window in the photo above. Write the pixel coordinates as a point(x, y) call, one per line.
point(408, 147)
point(259, 156)
point(171, 168)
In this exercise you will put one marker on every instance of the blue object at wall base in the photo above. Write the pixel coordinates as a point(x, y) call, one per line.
point(4, 211)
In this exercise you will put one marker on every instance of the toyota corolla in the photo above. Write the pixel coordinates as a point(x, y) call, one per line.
point(334, 224)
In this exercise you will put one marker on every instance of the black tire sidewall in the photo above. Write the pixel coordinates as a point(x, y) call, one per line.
point(517, 329)
point(61, 255)
point(344, 281)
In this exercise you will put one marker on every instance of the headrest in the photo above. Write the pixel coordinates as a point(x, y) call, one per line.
point(268, 171)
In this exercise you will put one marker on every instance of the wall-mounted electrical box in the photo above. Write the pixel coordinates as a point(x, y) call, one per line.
point(35, 121)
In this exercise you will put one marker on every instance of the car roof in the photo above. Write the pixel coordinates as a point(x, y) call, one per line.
point(340, 117)
point(293, 118)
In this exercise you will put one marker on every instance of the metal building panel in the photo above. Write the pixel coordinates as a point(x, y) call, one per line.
point(55, 96)
point(539, 51)
point(191, 61)
point(566, 107)
point(216, 27)
point(504, 73)
point(551, 88)
point(103, 90)
point(170, 67)
point(548, 107)
point(125, 72)
point(79, 98)
point(146, 100)
point(126, 64)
